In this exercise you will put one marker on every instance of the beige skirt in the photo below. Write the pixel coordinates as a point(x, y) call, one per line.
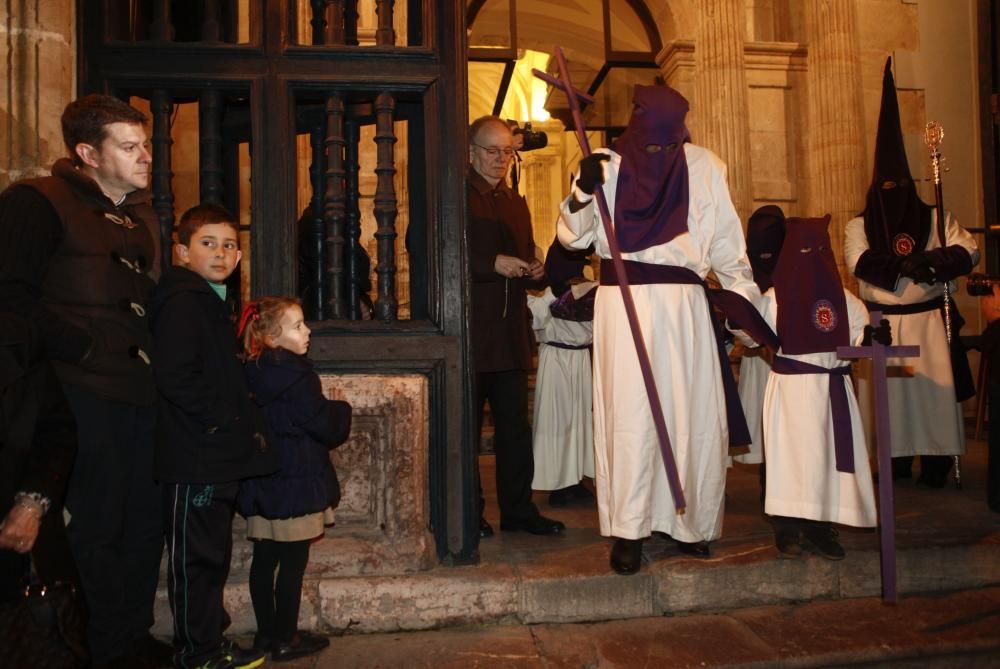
point(299, 528)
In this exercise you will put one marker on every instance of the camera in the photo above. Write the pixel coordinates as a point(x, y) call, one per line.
point(531, 139)
point(978, 284)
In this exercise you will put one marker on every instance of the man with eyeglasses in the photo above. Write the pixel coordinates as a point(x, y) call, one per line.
point(79, 256)
point(503, 267)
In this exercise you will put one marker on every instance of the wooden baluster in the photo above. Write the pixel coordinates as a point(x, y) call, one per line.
point(210, 146)
point(384, 34)
point(353, 136)
point(334, 206)
point(386, 305)
point(351, 23)
point(161, 29)
point(313, 246)
point(161, 107)
point(210, 25)
point(318, 20)
point(335, 22)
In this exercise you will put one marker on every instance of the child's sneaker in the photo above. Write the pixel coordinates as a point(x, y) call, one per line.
point(231, 656)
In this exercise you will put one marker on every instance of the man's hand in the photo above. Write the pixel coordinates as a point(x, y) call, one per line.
point(19, 529)
point(511, 267)
point(990, 305)
point(591, 172)
point(536, 270)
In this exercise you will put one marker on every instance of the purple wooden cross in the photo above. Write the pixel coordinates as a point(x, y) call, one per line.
point(565, 84)
point(887, 516)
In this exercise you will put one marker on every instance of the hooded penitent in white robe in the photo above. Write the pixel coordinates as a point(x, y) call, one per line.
point(632, 490)
point(925, 417)
point(802, 476)
point(564, 419)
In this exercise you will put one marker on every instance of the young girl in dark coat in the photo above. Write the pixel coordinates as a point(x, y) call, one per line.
point(286, 511)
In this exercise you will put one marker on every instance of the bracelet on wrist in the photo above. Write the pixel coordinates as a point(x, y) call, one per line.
point(33, 501)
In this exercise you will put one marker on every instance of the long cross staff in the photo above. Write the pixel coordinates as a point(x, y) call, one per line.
point(565, 84)
point(886, 511)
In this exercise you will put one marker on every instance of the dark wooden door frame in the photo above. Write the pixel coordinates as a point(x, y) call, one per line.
point(270, 70)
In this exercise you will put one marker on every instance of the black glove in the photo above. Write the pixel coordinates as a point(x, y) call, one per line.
point(591, 172)
point(918, 267)
point(882, 334)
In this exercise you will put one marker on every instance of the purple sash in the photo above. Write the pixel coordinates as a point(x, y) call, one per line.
point(843, 439)
point(640, 273)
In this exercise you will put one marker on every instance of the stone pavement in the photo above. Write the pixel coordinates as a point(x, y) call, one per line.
point(948, 541)
point(945, 630)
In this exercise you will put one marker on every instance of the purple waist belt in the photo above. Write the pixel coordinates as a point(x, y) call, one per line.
point(843, 440)
point(639, 273)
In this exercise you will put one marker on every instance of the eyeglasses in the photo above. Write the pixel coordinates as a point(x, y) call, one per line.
point(495, 152)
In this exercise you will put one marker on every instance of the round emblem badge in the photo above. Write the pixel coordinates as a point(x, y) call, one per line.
point(824, 316)
point(903, 244)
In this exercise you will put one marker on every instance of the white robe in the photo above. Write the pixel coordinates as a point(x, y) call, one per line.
point(802, 476)
point(563, 425)
point(754, 371)
point(633, 495)
point(924, 416)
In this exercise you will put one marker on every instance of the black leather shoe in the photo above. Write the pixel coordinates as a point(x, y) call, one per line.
point(533, 525)
point(822, 540)
point(581, 492)
point(787, 543)
point(485, 529)
point(626, 556)
point(302, 644)
point(697, 549)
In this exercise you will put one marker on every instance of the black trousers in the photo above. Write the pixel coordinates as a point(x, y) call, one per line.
point(507, 393)
point(115, 530)
point(276, 599)
point(934, 469)
point(199, 520)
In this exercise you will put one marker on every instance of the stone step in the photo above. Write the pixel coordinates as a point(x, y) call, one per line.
point(947, 540)
point(933, 631)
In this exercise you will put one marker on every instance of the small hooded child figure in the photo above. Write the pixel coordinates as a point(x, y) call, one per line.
point(562, 318)
point(765, 234)
point(817, 460)
point(287, 510)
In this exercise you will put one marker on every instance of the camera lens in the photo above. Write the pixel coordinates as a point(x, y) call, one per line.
point(979, 285)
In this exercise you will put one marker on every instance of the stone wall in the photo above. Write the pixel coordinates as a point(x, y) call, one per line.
point(37, 61)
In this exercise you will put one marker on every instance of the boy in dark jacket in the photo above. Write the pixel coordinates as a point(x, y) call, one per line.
point(209, 434)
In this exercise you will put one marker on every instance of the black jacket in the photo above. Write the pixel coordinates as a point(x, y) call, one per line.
point(306, 426)
point(208, 428)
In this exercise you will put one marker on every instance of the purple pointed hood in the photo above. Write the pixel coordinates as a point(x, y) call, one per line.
point(651, 200)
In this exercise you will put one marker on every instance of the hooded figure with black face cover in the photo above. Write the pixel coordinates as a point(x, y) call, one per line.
point(675, 223)
point(765, 234)
point(894, 250)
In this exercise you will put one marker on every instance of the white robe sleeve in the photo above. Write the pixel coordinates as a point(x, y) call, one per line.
point(857, 317)
point(578, 230)
point(855, 242)
point(728, 250)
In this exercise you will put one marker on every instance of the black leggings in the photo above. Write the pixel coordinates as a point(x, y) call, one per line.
point(276, 600)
